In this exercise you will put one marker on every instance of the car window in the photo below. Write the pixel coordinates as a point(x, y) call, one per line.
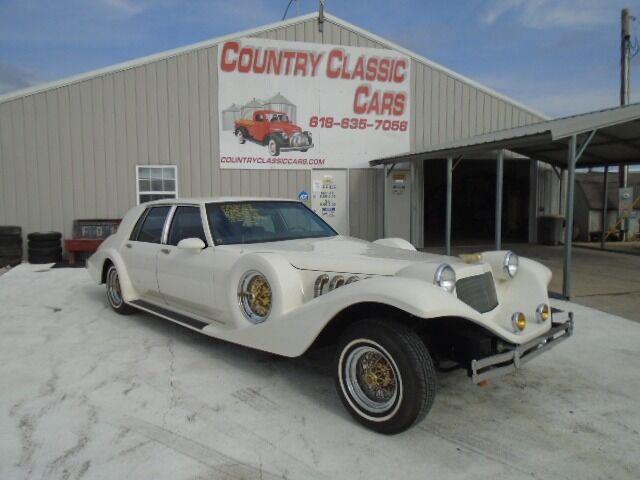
point(186, 223)
point(264, 221)
point(151, 230)
point(136, 229)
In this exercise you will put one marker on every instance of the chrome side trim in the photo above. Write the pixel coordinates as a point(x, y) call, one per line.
point(506, 362)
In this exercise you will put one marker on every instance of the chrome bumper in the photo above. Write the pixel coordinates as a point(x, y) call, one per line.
point(506, 362)
point(288, 148)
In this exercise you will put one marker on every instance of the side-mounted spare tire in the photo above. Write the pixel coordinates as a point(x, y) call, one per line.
point(384, 375)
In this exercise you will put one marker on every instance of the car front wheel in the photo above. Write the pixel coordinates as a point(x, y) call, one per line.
point(114, 293)
point(384, 375)
point(274, 148)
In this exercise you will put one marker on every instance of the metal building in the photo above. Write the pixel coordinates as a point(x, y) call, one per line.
point(80, 147)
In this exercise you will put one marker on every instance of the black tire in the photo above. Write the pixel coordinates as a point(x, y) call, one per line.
point(10, 230)
point(45, 252)
point(43, 244)
point(241, 136)
point(304, 149)
point(40, 236)
point(273, 146)
point(403, 354)
point(10, 252)
point(11, 262)
point(9, 240)
point(38, 260)
point(116, 302)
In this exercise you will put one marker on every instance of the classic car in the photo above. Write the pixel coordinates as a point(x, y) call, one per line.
point(273, 129)
point(272, 275)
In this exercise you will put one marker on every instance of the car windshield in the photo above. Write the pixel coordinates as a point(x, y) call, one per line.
point(264, 221)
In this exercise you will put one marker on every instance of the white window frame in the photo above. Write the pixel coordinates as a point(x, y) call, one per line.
point(156, 192)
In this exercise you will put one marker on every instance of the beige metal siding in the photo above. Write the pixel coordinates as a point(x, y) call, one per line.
point(70, 151)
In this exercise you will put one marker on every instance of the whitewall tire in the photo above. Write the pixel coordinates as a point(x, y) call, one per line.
point(384, 375)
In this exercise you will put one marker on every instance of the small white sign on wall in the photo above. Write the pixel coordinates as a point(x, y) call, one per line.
point(329, 198)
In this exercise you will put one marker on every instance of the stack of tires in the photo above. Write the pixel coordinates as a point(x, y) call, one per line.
point(44, 247)
point(10, 246)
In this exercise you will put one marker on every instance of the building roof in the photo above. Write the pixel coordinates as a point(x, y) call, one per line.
point(616, 141)
point(256, 31)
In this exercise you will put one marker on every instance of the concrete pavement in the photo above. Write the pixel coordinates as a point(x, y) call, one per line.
point(86, 393)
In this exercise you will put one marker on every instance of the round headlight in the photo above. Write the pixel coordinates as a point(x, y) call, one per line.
point(445, 278)
point(543, 313)
point(254, 296)
point(519, 322)
point(510, 264)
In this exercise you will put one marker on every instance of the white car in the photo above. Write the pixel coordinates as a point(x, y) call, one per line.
point(272, 275)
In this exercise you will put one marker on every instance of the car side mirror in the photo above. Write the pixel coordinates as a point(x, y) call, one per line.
point(191, 244)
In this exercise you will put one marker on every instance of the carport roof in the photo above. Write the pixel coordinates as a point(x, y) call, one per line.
point(616, 140)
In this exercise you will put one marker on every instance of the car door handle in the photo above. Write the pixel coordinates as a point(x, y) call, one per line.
point(165, 250)
point(128, 245)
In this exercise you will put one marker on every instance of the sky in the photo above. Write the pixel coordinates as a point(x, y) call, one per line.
point(559, 57)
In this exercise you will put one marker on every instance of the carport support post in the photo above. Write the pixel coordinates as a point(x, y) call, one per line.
point(605, 195)
point(568, 229)
point(449, 203)
point(499, 182)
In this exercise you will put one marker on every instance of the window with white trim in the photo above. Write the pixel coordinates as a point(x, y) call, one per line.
point(155, 182)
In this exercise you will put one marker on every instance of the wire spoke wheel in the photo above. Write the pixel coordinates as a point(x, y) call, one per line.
point(371, 378)
point(114, 294)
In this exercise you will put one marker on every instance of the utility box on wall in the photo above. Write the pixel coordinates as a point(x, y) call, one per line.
point(397, 212)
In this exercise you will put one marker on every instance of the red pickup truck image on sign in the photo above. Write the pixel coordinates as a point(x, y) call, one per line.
point(273, 129)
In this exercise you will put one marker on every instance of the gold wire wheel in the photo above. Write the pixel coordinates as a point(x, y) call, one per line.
point(255, 296)
point(371, 379)
point(114, 294)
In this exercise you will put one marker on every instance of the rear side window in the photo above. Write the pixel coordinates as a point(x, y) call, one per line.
point(151, 229)
point(187, 223)
point(136, 229)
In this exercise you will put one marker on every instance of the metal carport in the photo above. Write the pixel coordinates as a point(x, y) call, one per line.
point(596, 139)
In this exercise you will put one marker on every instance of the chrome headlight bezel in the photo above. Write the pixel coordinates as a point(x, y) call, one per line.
point(447, 284)
point(543, 310)
point(247, 296)
point(510, 264)
point(518, 322)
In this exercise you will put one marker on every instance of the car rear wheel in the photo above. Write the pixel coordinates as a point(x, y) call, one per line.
point(274, 148)
point(384, 375)
point(114, 293)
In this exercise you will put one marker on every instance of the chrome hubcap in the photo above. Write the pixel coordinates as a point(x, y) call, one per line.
point(371, 379)
point(240, 137)
point(114, 293)
point(272, 147)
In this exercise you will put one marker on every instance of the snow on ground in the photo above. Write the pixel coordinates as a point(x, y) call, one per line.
point(85, 392)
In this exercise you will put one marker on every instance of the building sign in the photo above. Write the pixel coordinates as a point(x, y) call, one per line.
point(288, 105)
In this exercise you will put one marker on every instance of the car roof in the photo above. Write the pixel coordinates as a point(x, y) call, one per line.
point(204, 200)
point(269, 111)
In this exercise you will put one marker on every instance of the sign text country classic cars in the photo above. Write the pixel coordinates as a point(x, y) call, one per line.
point(306, 105)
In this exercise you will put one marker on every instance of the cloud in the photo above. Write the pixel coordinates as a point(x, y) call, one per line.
point(541, 14)
point(14, 78)
point(127, 7)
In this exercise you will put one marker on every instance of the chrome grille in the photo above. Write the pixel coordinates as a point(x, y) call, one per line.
point(479, 292)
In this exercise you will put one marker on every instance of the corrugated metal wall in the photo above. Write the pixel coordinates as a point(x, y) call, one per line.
point(70, 152)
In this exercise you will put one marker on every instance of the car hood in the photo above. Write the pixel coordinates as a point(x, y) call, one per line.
point(350, 255)
point(288, 128)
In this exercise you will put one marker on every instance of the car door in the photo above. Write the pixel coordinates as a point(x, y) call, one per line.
point(185, 277)
point(141, 251)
